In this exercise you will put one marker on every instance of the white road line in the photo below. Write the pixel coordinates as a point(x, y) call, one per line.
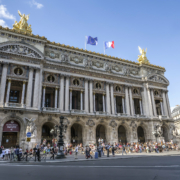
point(21, 165)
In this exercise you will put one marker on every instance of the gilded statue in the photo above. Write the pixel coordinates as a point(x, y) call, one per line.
point(142, 58)
point(22, 25)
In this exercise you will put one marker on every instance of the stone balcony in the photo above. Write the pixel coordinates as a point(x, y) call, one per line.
point(100, 113)
point(50, 109)
point(77, 111)
point(15, 105)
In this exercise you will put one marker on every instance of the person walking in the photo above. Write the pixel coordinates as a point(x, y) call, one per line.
point(35, 152)
point(52, 152)
point(12, 153)
point(17, 153)
point(76, 153)
point(124, 149)
point(107, 148)
point(113, 149)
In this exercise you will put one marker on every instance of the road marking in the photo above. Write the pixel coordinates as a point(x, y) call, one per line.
point(24, 165)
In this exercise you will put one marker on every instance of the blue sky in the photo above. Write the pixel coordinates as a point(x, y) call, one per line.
point(154, 24)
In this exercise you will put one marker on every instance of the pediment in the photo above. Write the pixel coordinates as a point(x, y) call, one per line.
point(21, 49)
point(158, 78)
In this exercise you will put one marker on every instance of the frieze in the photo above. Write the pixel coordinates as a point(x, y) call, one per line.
point(97, 64)
point(77, 59)
point(52, 54)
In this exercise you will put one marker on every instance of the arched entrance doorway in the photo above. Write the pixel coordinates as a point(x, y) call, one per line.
point(122, 134)
point(47, 137)
point(165, 133)
point(100, 133)
point(76, 134)
point(140, 132)
point(11, 130)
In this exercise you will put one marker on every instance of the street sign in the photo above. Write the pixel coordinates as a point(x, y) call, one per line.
point(28, 134)
point(28, 139)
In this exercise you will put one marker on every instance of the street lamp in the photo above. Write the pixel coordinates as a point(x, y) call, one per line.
point(60, 153)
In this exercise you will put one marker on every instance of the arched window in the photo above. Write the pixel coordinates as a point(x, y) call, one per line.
point(18, 71)
point(76, 82)
point(50, 78)
point(118, 89)
point(135, 91)
point(98, 85)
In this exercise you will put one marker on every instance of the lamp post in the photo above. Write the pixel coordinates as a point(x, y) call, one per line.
point(60, 153)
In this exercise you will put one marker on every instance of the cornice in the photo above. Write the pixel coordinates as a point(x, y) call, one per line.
point(86, 52)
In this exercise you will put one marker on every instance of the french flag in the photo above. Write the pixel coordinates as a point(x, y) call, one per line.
point(109, 44)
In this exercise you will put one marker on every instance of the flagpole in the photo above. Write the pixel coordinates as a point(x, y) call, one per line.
point(85, 42)
point(104, 47)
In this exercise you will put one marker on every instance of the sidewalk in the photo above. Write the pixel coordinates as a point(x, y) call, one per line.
point(81, 157)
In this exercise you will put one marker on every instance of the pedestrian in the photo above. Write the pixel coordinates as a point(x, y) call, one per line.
point(113, 149)
point(17, 153)
point(107, 148)
point(124, 149)
point(99, 150)
point(52, 152)
point(76, 153)
point(0, 150)
point(35, 152)
point(12, 153)
point(38, 154)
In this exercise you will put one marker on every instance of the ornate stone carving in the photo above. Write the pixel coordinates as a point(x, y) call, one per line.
point(87, 63)
point(97, 64)
point(77, 60)
point(117, 68)
point(90, 123)
point(157, 79)
point(126, 71)
point(108, 67)
point(51, 54)
point(113, 123)
point(64, 58)
point(20, 50)
point(31, 126)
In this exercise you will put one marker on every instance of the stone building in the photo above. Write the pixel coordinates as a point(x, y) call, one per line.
point(100, 96)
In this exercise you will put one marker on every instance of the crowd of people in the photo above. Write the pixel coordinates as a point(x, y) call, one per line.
point(89, 150)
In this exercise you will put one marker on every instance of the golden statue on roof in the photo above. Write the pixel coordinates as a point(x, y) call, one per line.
point(142, 58)
point(22, 25)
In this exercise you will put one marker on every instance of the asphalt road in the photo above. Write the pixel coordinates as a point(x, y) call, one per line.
point(144, 168)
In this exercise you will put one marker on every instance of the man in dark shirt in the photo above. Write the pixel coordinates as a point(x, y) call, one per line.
point(35, 152)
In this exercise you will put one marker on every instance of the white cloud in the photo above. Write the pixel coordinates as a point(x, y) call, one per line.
point(38, 5)
point(5, 14)
point(3, 23)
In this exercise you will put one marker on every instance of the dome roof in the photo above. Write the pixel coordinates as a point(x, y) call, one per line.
point(177, 108)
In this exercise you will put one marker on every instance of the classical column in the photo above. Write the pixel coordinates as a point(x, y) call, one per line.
point(153, 102)
point(91, 96)
point(165, 104)
point(115, 109)
point(112, 99)
point(149, 103)
point(103, 103)
point(131, 102)
point(123, 105)
point(70, 90)
point(162, 110)
point(8, 91)
point(67, 94)
point(127, 101)
point(94, 101)
point(56, 96)
point(61, 93)
point(107, 98)
point(81, 100)
point(29, 88)
point(168, 104)
point(23, 92)
point(43, 98)
point(3, 84)
point(36, 89)
point(140, 104)
point(86, 99)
